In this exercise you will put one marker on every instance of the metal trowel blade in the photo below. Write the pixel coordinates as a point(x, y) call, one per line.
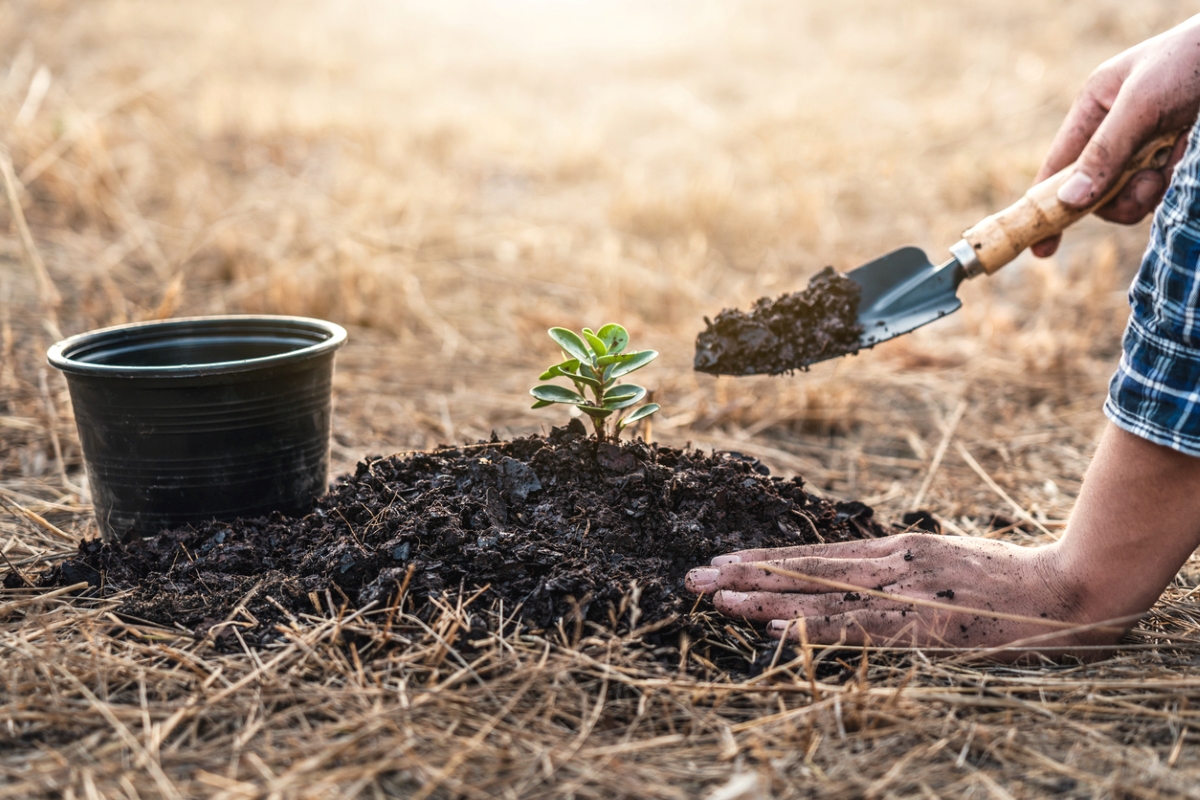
point(902, 291)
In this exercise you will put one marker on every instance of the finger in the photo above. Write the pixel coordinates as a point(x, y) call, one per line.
point(1046, 247)
point(863, 548)
point(766, 606)
point(863, 626)
point(1087, 112)
point(1136, 199)
point(789, 573)
point(1144, 191)
point(781, 576)
point(1128, 125)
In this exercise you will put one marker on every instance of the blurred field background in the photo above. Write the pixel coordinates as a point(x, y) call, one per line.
point(448, 180)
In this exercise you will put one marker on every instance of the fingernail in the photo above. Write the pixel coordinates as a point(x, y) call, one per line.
point(1076, 191)
point(1045, 248)
point(719, 560)
point(733, 598)
point(1144, 191)
point(778, 625)
point(703, 578)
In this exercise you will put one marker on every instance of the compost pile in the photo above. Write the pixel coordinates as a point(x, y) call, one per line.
point(554, 526)
point(785, 334)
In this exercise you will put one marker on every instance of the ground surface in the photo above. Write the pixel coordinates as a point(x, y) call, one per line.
point(449, 180)
point(559, 530)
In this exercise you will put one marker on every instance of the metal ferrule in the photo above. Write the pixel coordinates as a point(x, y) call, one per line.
point(965, 253)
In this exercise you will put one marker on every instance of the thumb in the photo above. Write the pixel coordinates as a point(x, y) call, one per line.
point(1106, 154)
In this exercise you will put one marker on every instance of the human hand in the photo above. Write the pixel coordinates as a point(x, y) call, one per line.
point(1150, 89)
point(973, 593)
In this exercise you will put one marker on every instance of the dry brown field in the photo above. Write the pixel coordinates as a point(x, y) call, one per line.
point(447, 180)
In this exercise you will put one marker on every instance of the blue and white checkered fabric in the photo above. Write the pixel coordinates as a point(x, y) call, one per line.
point(1155, 392)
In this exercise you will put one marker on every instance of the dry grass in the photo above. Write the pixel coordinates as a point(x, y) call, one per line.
point(450, 179)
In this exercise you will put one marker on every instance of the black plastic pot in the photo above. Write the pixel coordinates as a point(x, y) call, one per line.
point(206, 418)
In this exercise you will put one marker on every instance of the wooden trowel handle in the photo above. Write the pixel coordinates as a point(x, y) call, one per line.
point(1039, 215)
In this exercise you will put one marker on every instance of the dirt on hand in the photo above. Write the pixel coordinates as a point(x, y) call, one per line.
point(555, 527)
point(785, 334)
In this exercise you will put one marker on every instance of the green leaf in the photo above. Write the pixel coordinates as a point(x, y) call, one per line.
point(597, 344)
point(542, 404)
point(586, 379)
point(615, 337)
point(635, 362)
point(565, 369)
point(570, 341)
point(596, 413)
point(613, 358)
point(624, 390)
point(557, 394)
point(641, 413)
point(623, 396)
point(584, 369)
point(559, 372)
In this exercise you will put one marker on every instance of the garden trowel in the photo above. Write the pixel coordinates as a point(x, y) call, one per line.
point(903, 290)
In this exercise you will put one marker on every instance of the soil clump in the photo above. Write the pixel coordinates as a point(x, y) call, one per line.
point(785, 334)
point(559, 528)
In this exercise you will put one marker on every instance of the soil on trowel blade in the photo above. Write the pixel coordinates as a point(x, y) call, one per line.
point(785, 334)
point(556, 526)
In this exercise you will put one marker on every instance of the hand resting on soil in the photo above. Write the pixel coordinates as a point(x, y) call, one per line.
point(965, 585)
point(1136, 522)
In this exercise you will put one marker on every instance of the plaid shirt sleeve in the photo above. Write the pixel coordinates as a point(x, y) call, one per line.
point(1155, 392)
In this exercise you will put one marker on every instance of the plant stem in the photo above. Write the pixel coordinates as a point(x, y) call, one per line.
point(600, 423)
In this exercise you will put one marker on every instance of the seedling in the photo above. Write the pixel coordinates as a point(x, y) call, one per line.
point(594, 363)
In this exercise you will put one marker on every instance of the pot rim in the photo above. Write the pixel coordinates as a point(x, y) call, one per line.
point(61, 355)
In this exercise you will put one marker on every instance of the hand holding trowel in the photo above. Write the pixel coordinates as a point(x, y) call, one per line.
point(898, 292)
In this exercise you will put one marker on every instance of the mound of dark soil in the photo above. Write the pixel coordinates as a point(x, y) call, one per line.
point(785, 334)
point(556, 526)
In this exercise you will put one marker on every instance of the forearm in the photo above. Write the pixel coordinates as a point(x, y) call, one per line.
point(1136, 522)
